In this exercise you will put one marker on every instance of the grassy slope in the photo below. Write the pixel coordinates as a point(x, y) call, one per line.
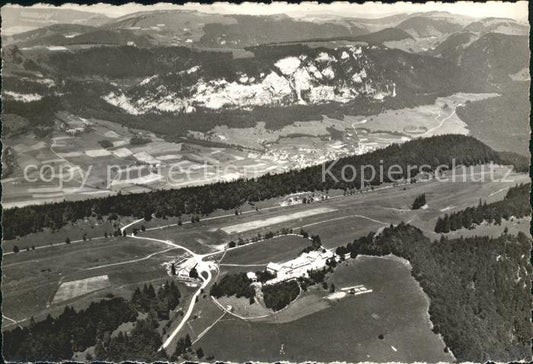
point(345, 331)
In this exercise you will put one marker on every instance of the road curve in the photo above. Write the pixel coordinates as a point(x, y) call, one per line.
point(191, 306)
point(201, 268)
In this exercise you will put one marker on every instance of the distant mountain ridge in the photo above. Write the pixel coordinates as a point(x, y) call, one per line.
point(498, 25)
point(194, 28)
point(379, 37)
point(420, 26)
point(20, 19)
point(73, 34)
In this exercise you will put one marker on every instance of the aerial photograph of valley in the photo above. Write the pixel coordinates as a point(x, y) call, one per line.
point(344, 182)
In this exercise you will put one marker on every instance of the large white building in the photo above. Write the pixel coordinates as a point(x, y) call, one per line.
point(299, 266)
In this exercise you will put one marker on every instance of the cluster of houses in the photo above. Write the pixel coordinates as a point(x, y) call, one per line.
point(183, 270)
point(72, 125)
point(303, 198)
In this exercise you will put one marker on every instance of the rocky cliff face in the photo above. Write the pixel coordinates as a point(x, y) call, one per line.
point(334, 75)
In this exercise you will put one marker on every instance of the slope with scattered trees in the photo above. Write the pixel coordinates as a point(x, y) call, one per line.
point(515, 203)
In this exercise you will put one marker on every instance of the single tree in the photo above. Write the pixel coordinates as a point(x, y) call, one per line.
point(419, 202)
point(199, 353)
point(193, 273)
point(173, 269)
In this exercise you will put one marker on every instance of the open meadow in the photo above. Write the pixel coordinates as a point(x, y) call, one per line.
point(347, 330)
point(278, 249)
point(31, 279)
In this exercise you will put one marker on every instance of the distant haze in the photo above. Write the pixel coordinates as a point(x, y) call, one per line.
point(517, 10)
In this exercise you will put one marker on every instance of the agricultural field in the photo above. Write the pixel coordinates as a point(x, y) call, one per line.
point(199, 241)
point(91, 228)
point(302, 142)
point(257, 224)
point(72, 289)
point(265, 186)
point(277, 249)
point(421, 121)
point(32, 279)
point(86, 158)
point(343, 217)
point(242, 307)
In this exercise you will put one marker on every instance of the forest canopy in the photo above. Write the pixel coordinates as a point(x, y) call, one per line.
point(479, 288)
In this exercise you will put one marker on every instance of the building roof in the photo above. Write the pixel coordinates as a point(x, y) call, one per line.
point(273, 266)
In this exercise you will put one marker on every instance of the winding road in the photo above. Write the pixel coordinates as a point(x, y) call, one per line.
point(201, 266)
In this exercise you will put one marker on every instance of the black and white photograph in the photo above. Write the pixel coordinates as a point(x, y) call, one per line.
point(266, 182)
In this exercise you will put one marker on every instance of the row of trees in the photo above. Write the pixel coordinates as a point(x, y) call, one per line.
point(476, 298)
point(515, 203)
point(433, 152)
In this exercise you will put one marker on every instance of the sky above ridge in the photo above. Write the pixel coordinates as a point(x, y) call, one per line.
point(517, 10)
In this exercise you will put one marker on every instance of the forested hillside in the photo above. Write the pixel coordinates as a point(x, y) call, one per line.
point(253, 30)
point(508, 112)
point(57, 339)
point(479, 288)
point(488, 57)
point(433, 152)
